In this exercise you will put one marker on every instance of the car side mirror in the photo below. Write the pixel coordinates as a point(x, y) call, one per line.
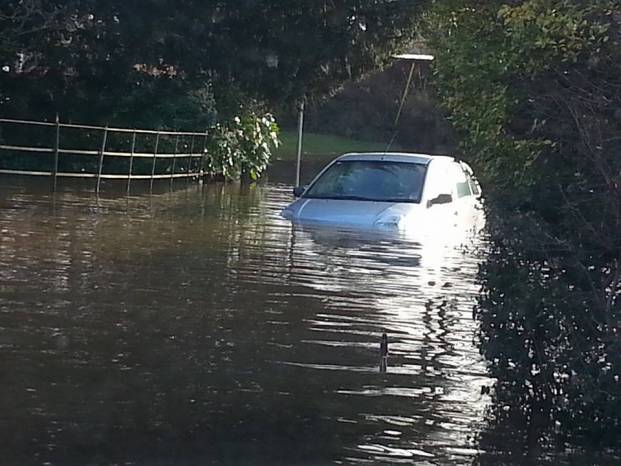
point(299, 190)
point(440, 199)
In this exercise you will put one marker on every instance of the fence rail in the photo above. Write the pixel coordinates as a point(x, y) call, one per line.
point(183, 164)
point(111, 129)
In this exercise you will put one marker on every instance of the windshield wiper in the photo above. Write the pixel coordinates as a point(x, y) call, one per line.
point(343, 198)
point(405, 200)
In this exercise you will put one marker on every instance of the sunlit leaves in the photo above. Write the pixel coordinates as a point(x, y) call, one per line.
point(242, 146)
point(488, 54)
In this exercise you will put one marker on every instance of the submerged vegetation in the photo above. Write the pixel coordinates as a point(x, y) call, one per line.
point(534, 89)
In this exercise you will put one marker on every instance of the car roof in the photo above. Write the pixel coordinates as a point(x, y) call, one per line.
point(407, 157)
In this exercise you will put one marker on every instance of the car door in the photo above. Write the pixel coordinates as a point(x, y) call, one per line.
point(465, 199)
point(439, 197)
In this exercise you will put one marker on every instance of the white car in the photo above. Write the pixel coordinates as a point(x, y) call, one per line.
point(397, 191)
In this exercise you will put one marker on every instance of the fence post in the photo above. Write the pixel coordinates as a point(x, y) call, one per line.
point(131, 161)
point(202, 167)
point(56, 153)
point(157, 143)
point(172, 173)
point(190, 158)
point(101, 157)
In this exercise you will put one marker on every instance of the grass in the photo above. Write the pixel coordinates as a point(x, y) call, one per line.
point(322, 144)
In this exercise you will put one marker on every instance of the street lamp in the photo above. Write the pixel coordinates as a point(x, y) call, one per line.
point(413, 57)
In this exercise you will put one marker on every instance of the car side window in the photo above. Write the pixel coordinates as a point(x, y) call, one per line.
point(463, 189)
point(474, 186)
point(462, 185)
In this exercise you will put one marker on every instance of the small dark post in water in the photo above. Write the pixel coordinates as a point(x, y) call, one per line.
point(384, 353)
point(56, 153)
point(101, 157)
point(157, 143)
point(172, 172)
point(131, 161)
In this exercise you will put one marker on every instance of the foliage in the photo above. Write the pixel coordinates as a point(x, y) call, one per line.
point(533, 87)
point(242, 147)
point(493, 61)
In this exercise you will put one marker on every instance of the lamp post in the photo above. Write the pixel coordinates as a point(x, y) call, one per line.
point(300, 133)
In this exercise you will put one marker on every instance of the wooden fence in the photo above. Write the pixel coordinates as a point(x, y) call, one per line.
point(188, 163)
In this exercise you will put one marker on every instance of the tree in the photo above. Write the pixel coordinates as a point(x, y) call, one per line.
point(533, 87)
point(111, 60)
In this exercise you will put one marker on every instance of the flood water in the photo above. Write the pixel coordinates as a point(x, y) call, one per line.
point(199, 327)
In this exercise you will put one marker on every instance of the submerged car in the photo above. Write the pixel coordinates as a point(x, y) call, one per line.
point(399, 191)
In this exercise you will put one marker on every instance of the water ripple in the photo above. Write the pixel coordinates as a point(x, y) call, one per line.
point(152, 326)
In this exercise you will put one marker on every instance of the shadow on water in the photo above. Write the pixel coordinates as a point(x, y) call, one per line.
point(555, 359)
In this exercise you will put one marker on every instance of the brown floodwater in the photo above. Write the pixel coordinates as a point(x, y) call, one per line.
point(196, 326)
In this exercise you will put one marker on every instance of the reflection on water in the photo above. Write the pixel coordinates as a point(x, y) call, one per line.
point(199, 327)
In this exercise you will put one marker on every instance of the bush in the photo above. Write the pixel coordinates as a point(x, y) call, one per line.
point(242, 147)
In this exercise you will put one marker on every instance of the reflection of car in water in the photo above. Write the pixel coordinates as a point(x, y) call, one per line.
point(395, 191)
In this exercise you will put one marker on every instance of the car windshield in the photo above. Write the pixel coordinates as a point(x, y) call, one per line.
point(370, 181)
